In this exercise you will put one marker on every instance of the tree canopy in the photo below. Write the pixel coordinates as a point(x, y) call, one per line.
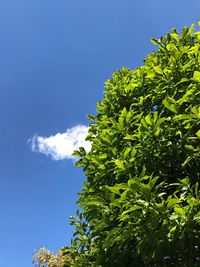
point(140, 202)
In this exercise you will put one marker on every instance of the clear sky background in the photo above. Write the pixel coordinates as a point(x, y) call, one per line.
point(55, 56)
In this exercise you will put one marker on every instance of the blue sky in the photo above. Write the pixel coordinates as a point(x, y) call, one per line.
point(54, 58)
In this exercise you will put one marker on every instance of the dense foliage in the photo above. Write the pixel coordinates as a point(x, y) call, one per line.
point(140, 205)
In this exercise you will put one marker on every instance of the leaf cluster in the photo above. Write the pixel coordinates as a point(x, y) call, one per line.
point(140, 202)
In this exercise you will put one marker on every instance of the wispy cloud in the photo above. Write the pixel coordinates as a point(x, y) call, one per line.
point(61, 145)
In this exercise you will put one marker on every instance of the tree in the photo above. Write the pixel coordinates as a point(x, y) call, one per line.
point(45, 258)
point(140, 202)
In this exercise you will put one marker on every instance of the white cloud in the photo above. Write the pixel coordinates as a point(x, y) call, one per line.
point(61, 145)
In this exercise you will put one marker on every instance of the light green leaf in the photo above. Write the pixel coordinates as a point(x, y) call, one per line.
point(158, 69)
point(144, 123)
point(103, 156)
point(169, 103)
point(119, 164)
point(185, 181)
point(172, 48)
point(197, 217)
point(191, 29)
point(148, 119)
point(198, 133)
point(124, 112)
point(189, 147)
point(172, 201)
point(116, 188)
point(130, 210)
point(179, 210)
point(172, 230)
point(196, 76)
point(175, 36)
point(127, 151)
point(121, 122)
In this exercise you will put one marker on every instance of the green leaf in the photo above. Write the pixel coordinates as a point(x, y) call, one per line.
point(76, 153)
point(159, 121)
point(196, 76)
point(130, 210)
point(196, 189)
point(90, 117)
point(117, 187)
point(191, 29)
point(153, 181)
point(93, 203)
point(197, 217)
point(155, 42)
point(172, 230)
point(127, 152)
point(189, 147)
point(183, 80)
point(175, 36)
point(185, 181)
point(172, 201)
point(144, 123)
point(158, 69)
point(198, 133)
point(103, 156)
point(119, 164)
point(172, 48)
point(170, 104)
point(133, 181)
point(148, 119)
point(179, 210)
point(124, 112)
point(121, 122)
